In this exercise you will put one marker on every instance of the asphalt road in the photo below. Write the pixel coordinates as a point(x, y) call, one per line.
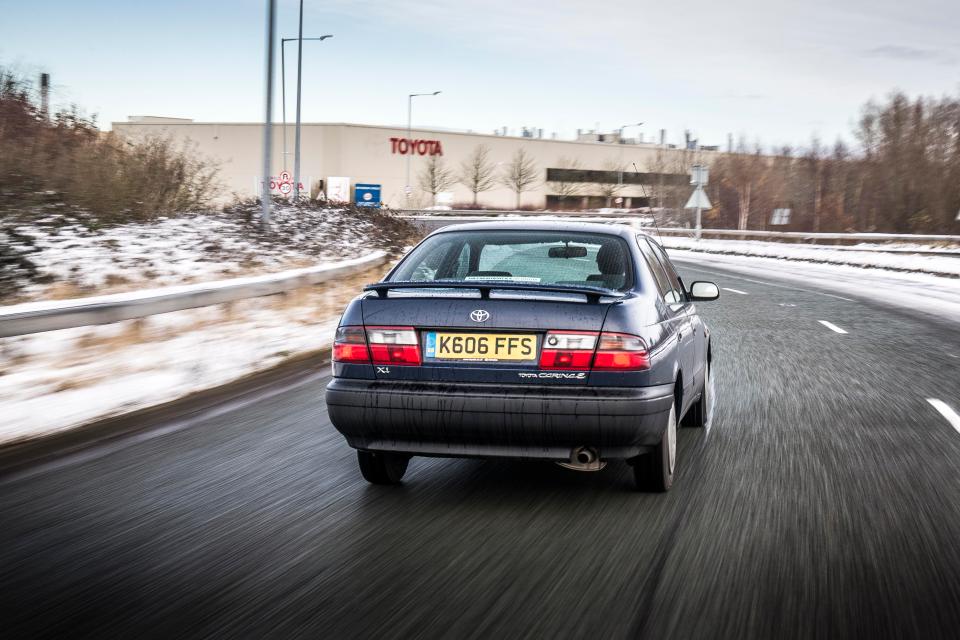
point(824, 501)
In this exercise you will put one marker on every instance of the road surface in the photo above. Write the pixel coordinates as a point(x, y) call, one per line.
point(824, 501)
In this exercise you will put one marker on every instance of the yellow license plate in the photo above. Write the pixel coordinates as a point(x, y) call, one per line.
point(480, 346)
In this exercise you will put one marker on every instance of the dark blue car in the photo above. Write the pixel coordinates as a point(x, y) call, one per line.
point(570, 342)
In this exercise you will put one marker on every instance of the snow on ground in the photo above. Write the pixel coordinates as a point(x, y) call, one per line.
point(934, 295)
point(68, 255)
point(862, 256)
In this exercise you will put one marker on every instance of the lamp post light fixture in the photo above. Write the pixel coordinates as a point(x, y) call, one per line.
point(408, 190)
point(283, 88)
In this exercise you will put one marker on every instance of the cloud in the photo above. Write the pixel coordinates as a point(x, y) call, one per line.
point(910, 54)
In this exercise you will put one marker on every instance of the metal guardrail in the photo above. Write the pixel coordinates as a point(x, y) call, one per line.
point(431, 222)
point(812, 237)
point(635, 219)
point(37, 317)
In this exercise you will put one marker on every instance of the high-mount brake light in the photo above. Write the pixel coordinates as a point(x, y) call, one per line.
point(568, 349)
point(621, 352)
point(350, 346)
point(394, 345)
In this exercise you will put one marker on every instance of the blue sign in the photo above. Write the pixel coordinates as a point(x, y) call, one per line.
point(367, 195)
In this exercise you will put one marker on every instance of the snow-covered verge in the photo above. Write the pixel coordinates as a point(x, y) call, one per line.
point(58, 380)
point(866, 256)
point(933, 295)
point(56, 254)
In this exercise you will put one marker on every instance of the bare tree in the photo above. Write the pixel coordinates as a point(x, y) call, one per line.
point(477, 172)
point(435, 177)
point(610, 190)
point(742, 174)
point(521, 174)
point(566, 188)
point(814, 161)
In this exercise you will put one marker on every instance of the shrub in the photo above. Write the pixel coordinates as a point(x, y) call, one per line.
point(67, 160)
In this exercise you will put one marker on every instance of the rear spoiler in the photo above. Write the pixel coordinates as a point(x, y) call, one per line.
point(593, 294)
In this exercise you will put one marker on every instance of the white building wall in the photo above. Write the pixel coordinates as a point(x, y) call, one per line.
point(364, 154)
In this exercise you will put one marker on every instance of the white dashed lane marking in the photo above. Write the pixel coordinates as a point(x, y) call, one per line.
point(743, 293)
point(768, 284)
point(947, 411)
point(831, 326)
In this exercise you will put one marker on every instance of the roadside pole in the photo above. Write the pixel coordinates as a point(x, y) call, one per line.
point(268, 118)
point(701, 180)
point(699, 176)
point(296, 143)
point(699, 229)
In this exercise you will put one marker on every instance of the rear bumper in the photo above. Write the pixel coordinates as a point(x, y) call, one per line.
point(490, 420)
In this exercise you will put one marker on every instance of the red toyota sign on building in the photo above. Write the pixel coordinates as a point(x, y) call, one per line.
point(407, 146)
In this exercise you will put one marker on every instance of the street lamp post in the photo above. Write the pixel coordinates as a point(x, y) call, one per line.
point(268, 116)
point(283, 88)
point(620, 163)
point(410, 98)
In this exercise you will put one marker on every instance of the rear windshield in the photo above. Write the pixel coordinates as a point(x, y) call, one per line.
point(533, 257)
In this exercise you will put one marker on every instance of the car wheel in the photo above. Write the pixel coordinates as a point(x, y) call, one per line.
point(654, 471)
point(382, 468)
point(699, 413)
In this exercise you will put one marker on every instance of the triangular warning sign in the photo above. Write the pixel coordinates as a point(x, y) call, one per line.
point(698, 199)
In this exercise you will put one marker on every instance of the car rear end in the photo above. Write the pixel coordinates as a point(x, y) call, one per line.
point(492, 343)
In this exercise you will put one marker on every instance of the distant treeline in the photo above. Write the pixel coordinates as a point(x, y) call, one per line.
point(61, 159)
point(903, 176)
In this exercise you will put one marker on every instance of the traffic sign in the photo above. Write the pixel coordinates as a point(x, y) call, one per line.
point(367, 195)
point(698, 200)
point(780, 217)
point(699, 174)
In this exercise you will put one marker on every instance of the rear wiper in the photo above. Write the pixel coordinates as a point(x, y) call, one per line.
point(593, 294)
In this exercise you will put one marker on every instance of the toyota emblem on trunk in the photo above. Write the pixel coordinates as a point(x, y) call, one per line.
point(479, 315)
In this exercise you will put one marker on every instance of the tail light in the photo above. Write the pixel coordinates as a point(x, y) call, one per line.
point(350, 345)
point(394, 345)
point(621, 352)
point(584, 350)
point(568, 349)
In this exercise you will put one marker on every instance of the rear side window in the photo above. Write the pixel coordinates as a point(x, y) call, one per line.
point(663, 282)
point(676, 294)
point(534, 257)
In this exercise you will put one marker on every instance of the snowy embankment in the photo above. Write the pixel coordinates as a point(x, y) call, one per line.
point(50, 255)
point(925, 283)
point(866, 255)
point(930, 294)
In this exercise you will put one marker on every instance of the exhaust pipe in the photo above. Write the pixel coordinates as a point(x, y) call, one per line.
point(584, 459)
point(584, 455)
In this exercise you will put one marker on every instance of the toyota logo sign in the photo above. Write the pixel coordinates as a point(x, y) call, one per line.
point(479, 315)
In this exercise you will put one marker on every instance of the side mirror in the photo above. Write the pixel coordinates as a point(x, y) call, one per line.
point(703, 291)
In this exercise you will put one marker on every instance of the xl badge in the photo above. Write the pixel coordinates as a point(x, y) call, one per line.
point(479, 315)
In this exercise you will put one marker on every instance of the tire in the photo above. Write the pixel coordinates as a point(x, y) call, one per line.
point(382, 468)
point(654, 471)
point(699, 413)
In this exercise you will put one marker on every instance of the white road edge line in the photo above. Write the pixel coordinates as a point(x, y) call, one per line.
point(743, 293)
point(831, 326)
point(952, 416)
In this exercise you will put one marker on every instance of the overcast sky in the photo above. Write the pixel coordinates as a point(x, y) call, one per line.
point(778, 72)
